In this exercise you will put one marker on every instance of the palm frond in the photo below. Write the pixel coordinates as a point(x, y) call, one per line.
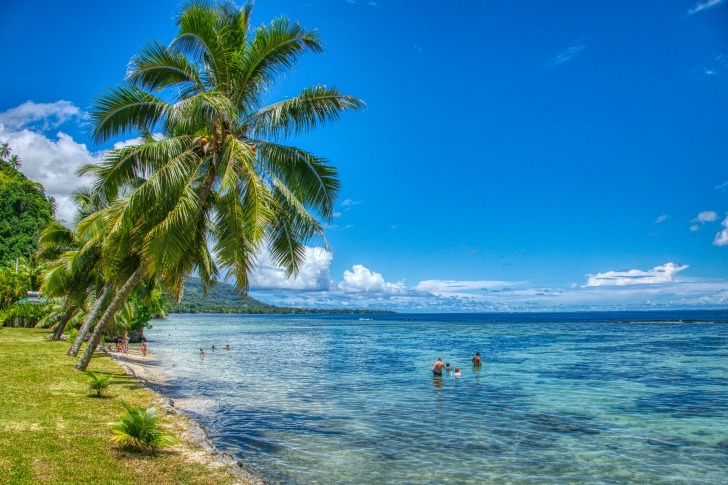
point(124, 109)
point(157, 68)
point(309, 178)
point(315, 106)
point(274, 51)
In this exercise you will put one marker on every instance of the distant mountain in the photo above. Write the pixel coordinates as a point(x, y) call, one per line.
point(223, 298)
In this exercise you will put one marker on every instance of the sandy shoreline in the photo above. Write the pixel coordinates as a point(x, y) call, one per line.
point(146, 371)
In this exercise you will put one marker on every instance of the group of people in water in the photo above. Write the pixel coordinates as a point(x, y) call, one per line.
point(202, 351)
point(439, 366)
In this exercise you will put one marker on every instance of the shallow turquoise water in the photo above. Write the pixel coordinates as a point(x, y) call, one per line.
point(570, 398)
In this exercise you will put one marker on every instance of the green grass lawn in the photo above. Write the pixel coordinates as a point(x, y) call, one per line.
point(53, 429)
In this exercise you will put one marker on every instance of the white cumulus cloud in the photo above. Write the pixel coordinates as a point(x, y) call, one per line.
point(721, 239)
point(314, 274)
point(363, 280)
point(706, 216)
point(52, 162)
point(39, 115)
point(660, 274)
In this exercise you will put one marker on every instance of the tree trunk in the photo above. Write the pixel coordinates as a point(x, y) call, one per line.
point(108, 316)
point(88, 321)
point(62, 324)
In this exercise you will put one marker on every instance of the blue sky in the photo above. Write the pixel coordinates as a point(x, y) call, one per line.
point(514, 155)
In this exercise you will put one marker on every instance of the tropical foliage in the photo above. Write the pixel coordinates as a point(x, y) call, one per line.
point(212, 180)
point(23, 315)
point(13, 286)
point(24, 210)
point(98, 382)
point(139, 429)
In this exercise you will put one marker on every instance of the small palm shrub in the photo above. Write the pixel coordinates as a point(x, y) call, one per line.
point(98, 382)
point(139, 429)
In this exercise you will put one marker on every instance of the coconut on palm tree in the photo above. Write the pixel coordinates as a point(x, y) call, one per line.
point(213, 180)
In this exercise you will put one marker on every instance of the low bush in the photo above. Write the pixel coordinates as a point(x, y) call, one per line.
point(98, 382)
point(139, 429)
point(22, 315)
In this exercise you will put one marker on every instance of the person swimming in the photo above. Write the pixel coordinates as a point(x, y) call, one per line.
point(457, 372)
point(447, 367)
point(437, 367)
point(476, 360)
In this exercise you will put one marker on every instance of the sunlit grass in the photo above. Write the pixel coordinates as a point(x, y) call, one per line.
point(51, 431)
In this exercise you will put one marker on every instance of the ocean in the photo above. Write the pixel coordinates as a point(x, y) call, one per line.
point(638, 397)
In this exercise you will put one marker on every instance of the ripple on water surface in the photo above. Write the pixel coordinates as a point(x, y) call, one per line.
point(581, 398)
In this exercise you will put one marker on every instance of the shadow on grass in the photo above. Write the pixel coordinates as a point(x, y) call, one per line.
point(129, 452)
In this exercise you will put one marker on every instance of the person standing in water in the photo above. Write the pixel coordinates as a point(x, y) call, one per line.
point(437, 367)
point(476, 360)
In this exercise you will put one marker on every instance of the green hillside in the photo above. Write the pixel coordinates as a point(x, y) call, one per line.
point(24, 212)
point(222, 298)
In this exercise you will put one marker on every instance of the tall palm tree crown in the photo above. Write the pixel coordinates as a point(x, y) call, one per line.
point(213, 180)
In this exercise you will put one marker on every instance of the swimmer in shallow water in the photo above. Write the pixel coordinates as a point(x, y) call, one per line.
point(437, 367)
point(202, 354)
point(476, 360)
point(227, 347)
point(447, 367)
point(457, 372)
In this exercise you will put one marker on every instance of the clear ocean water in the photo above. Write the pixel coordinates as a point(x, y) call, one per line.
point(561, 398)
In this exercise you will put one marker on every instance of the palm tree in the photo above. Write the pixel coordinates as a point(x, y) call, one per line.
point(15, 162)
point(212, 181)
point(32, 268)
point(74, 266)
point(72, 272)
point(4, 151)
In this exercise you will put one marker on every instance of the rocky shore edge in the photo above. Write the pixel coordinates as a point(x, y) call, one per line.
point(141, 368)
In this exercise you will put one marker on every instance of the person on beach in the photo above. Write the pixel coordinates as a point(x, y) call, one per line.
point(476, 360)
point(143, 349)
point(118, 343)
point(457, 372)
point(437, 367)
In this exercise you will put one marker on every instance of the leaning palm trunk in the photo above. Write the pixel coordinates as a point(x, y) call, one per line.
point(108, 316)
point(88, 321)
point(62, 324)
